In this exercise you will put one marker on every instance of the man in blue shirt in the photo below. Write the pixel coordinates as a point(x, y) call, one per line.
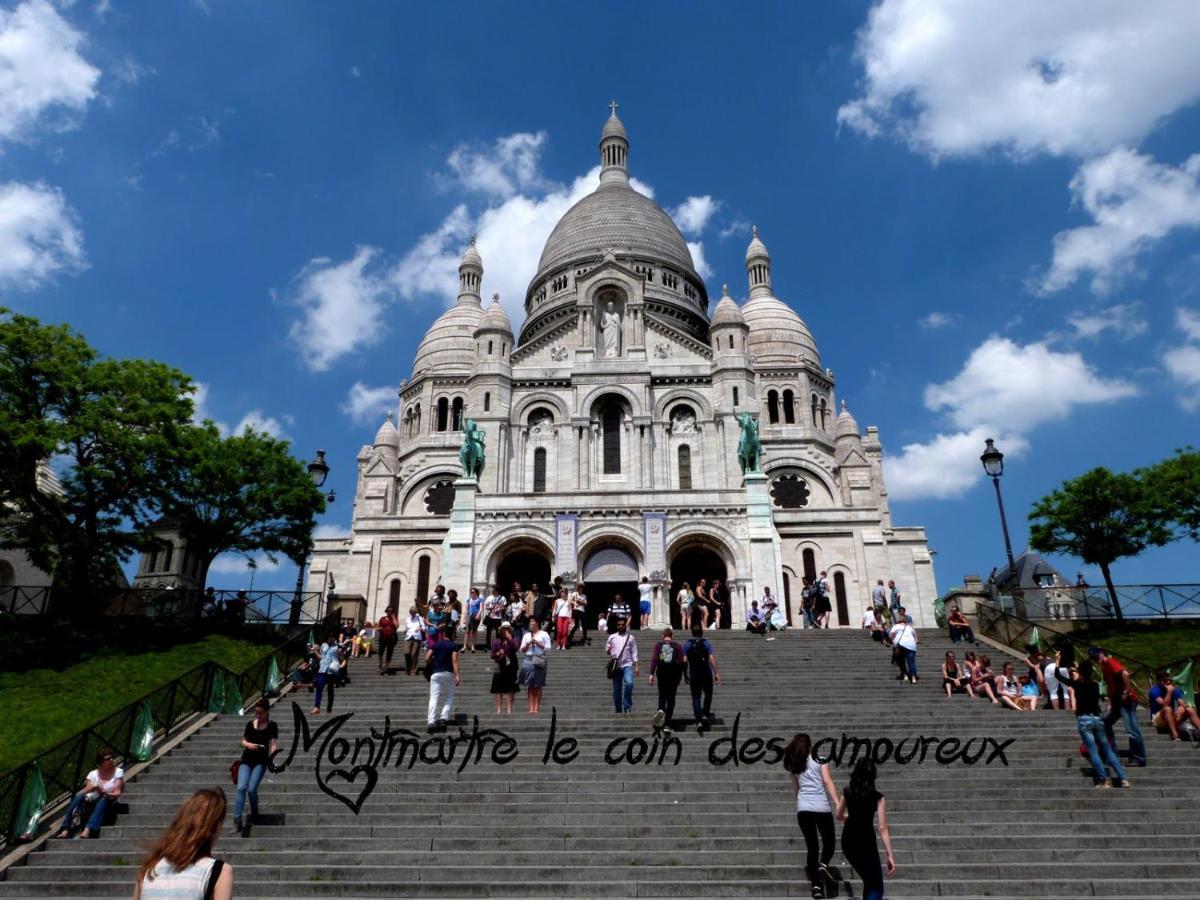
point(1169, 708)
point(442, 660)
point(702, 673)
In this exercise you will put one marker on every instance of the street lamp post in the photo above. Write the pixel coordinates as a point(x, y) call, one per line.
point(993, 465)
point(318, 471)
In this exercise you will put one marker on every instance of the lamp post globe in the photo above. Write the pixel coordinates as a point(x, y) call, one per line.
point(993, 464)
point(318, 469)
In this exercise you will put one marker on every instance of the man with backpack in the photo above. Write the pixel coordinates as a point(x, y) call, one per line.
point(666, 664)
point(387, 629)
point(702, 673)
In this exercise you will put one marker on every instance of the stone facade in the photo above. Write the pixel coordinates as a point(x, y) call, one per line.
point(611, 436)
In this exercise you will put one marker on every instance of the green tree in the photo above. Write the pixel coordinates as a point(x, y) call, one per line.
point(1099, 517)
point(243, 493)
point(108, 427)
point(1174, 484)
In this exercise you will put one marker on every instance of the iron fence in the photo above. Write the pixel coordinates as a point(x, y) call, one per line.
point(172, 705)
point(1137, 601)
point(182, 606)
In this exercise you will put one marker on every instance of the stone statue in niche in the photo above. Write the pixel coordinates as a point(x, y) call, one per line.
point(610, 330)
point(663, 350)
point(683, 422)
point(558, 354)
point(541, 425)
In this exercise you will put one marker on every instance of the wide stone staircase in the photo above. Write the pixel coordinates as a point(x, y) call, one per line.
point(530, 827)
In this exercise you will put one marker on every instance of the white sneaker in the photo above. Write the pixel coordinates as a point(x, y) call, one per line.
point(660, 718)
point(770, 639)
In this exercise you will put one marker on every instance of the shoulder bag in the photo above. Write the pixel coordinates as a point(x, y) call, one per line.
point(612, 669)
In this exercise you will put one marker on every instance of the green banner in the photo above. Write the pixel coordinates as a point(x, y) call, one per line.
point(216, 698)
point(233, 697)
point(141, 744)
point(1186, 682)
point(33, 804)
point(274, 678)
point(939, 612)
point(1035, 639)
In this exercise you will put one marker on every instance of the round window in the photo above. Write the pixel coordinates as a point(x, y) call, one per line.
point(439, 498)
point(789, 492)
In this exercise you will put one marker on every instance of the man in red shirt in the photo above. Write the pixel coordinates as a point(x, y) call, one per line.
point(1123, 705)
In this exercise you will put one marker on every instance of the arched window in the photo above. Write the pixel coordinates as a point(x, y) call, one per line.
point(841, 601)
point(489, 348)
point(773, 406)
point(787, 597)
point(824, 413)
point(443, 414)
point(685, 468)
point(539, 470)
point(168, 555)
point(789, 408)
point(458, 414)
point(731, 342)
point(417, 419)
point(487, 401)
point(394, 594)
point(152, 561)
point(810, 564)
point(735, 395)
point(814, 410)
point(610, 424)
point(422, 578)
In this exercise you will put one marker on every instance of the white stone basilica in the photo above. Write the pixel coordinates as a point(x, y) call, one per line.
point(612, 434)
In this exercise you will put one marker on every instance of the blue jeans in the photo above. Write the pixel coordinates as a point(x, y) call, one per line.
point(1091, 729)
point(623, 690)
point(1127, 711)
point(325, 680)
point(910, 661)
point(810, 621)
point(249, 778)
point(95, 820)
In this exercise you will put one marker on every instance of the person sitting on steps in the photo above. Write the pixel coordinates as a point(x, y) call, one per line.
point(101, 789)
point(1169, 709)
point(960, 628)
point(754, 619)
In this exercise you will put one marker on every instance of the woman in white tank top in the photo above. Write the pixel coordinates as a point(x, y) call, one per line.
point(180, 865)
point(816, 797)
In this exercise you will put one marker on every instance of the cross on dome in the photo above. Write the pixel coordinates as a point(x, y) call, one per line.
point(612, 104)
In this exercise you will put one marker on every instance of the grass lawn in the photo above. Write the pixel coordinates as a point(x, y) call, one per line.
point(1152, 643)
point(45, 706)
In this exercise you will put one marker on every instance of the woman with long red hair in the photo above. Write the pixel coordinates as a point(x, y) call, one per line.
point(180, 864)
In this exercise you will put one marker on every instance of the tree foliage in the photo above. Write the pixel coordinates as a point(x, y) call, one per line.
point(242, 493)
point(1100, 517)
point(1174, 485)
point(108, 427)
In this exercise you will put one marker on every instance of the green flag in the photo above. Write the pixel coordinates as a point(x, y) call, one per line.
point(1035, 639)
point(1186, 682)
point(216, 699)
point(273, 678)
point(33, 804)
point(312, 638)
point(233, 697)
point(939, 612)
point(141, 744)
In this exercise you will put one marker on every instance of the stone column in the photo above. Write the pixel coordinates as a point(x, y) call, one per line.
point(458, 547)
point(766, 558)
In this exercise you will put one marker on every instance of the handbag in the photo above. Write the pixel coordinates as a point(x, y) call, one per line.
point(612, 670)
point(233, 771)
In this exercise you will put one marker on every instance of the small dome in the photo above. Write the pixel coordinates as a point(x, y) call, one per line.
point(846, 425)
point(777, 334)
point(757, 249)
point(614, 128)
point(471, 257)
point(727, 311)
point(387, 435)
point(495, 318)
point(449, 344)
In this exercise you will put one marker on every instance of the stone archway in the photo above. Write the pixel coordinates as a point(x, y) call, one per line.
point(524, 561)
point(691, 562)
point(610, 570)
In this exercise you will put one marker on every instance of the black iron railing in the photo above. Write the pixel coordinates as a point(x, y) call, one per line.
point(1137, 601)
point(172, 706)
point(173, 606)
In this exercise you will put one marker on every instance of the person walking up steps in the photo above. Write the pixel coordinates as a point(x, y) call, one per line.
point(414, 640)
point(259, 740)
point(442, 659)
point(903, 638)
point(666, 664)
point(816, 797)
point(858, 807)
point(327, 673)
point(645, 603)
point(702, 672)
point(388, 630)
point(1090, 724)
point(1122, 704)
point(180, 865)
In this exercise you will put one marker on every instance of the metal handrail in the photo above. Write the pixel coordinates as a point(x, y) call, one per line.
point(63, 766)
point(1138, 601)
point(182, 605)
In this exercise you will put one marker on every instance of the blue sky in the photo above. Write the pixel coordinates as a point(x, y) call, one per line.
point(986, 213)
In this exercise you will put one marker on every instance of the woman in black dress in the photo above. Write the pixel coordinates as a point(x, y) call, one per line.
point(858, 807)
point(504, 667)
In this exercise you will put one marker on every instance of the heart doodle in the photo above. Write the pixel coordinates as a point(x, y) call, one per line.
point(354, 802)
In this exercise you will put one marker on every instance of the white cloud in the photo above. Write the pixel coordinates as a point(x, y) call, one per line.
point(257, 420)
point(1074, 77)
point(343, 306)
point(937, 320)
point(1183, 363)
point(1004, 391)
point(1188, 321)
point(430, 267)
point(331, 531)
point(368, 405)
point(1132, 201)
point(703, 269)
point(693, 214)
point(509, 166)
point(1123, 319)
point(39, 235)
point(235, 564)
point(44, 81)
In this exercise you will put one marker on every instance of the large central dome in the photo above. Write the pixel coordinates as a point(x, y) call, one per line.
point(616, 216)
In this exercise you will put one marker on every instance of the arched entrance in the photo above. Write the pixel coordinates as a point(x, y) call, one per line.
point(607, 572)
point(692, 563)
point(523, 564)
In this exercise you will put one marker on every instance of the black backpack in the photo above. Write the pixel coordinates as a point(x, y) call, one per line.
point(697, 655)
